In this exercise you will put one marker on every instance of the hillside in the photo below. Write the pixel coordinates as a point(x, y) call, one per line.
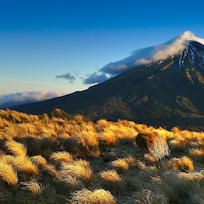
point(168, 93)
point(59, 159)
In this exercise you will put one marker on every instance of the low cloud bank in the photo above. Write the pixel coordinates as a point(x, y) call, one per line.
point(26, 97)
point(143, 56)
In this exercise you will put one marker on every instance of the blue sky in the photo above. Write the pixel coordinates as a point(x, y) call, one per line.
point(42, 39)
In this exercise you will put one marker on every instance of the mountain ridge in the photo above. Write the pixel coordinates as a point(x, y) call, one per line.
point(165, 92)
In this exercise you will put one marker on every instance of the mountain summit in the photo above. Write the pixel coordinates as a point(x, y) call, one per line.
point(149, 55)
point(165, 88)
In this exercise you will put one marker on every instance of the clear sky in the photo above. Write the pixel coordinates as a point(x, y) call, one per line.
point(42, 39)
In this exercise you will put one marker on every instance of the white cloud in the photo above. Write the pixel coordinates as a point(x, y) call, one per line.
point(176, 47)
point(150, 54)
point(26, 97)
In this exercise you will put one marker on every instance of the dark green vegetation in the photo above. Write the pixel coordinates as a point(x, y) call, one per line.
point(164, 93)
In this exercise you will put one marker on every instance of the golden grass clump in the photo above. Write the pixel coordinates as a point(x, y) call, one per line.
point(39, 160)
point(141, 165)
point(108, 138)
point(110, 175)
point(190, 176)
point(80, 169)
point(61, 156)
point(8, 174)
point(150, 158)
point(182, 164)
point(16, 148)
point(52, 142)
point(178, 144)
point(111, 180)
point(99, 196)
point(51, 170)
point(24, 165)
point(197, 154)
point(123, 163)
point(68, 179)
point(1, 123)
point(33, 186)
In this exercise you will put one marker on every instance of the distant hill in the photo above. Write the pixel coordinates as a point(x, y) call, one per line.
point(168, 92)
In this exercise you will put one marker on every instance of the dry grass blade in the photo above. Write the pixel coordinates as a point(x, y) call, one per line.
point(79, 169)
point(183, 164)
point(25, 165)
point(61, 156)
point(123, 163)
point(99, 196)
point(39, 160)
point(33, 186)
point(16, 148)
point(110, 175)
point(8, 174)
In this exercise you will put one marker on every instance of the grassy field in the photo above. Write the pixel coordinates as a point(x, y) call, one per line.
point(64, 159)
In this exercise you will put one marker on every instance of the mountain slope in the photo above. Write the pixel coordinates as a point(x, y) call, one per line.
point(163, 92)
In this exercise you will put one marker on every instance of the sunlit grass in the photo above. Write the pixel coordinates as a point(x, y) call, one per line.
point(183, 164)
point(8, 174)
point(99, 196)
point(33, 186)
point(70, 159)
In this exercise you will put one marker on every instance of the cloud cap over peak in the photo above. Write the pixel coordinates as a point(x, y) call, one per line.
point(143, 56)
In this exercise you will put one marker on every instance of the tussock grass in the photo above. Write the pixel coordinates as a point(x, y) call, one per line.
point(33, 186)
point(80, 169)
point(99, 196)
point(111, 180)
point(61, 156)
point(110, 175)
point(197, 154)
point(23, 164)
point(8, 174)
point(58, 158)
point(124, 163)
point(16, 148)
point(147, 196)
point(183, 164)
point(39, 160)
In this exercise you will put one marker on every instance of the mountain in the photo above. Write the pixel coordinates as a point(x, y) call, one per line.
point(167, 91)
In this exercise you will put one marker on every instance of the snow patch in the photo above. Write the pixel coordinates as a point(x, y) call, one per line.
point(149, 55)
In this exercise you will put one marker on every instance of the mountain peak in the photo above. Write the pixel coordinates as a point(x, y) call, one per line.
point(172, 47)
point(152, 54)
point(194, 51)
